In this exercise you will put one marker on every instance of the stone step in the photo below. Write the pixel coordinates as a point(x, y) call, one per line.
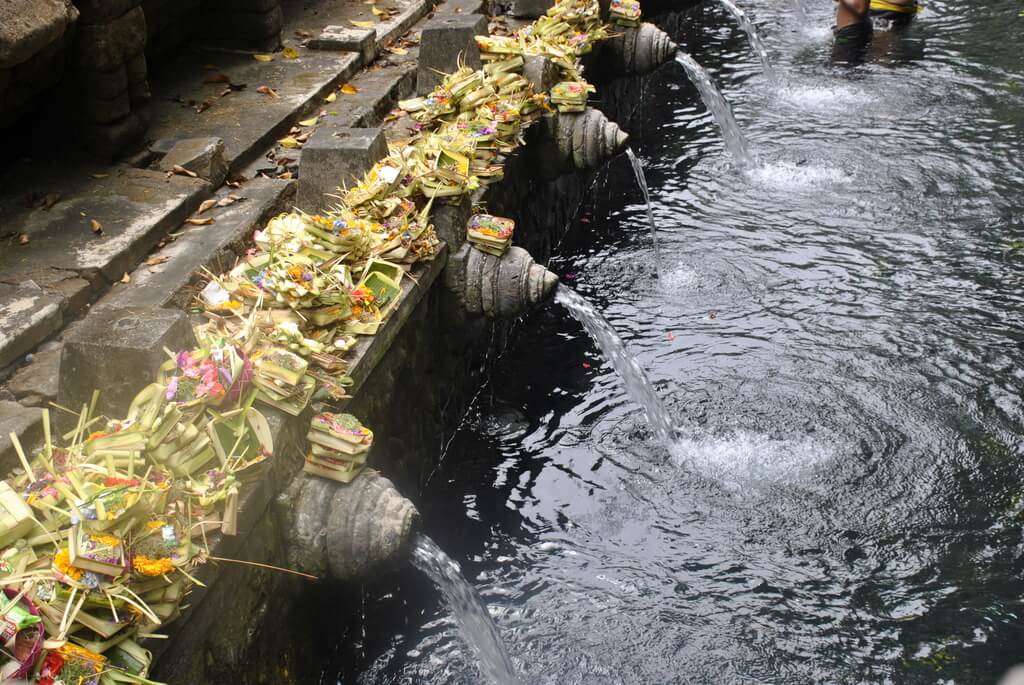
point(27, 424)
point(166, 280)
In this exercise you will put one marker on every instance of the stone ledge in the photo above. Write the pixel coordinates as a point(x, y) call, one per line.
point(28, 315)
point(213, 247)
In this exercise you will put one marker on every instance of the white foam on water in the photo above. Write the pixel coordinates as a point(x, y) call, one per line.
point(823, 98)
point(682, 277)
point(748, 461)
point(792, 176)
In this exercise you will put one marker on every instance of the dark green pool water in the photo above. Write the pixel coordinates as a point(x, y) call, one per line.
point(838, 336)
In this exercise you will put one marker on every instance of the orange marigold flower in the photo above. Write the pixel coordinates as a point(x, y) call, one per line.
point(62, 562)
point(145, 566)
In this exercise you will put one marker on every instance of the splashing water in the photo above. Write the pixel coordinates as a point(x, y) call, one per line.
point(755, 38)
point(641, 181)
point(719, 107)
point(801, 13)
point(633, 376)
point(475, 624)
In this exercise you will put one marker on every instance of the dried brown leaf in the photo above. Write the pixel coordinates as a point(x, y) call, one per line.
point(263, 58)
point(349, 89)
point(267, 90)
point(205, 221)
point(207, 204)
point(158, 259)
point(96, 226)
point(126, 278)
point(182, 171)
point(23, 239)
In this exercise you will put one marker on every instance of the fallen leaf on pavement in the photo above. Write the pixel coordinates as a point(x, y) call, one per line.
point(309, 122)
point(182, 171)
point(331, 98)
point(267, 90)
point(126, 278)
point(229, 200)
point(100, 175)
point(377, 12)
point(159, 259)
point(289, 142)
point(263, 58)
point(202, 107)
point(290, 53)
point(96, 226)
point(361, 24)
point(205, 221)
point(349, 89)
point(23, 239)
point(207, 204)
point(398, 51)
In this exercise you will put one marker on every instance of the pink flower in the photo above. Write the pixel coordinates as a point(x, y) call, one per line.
point(172, 388)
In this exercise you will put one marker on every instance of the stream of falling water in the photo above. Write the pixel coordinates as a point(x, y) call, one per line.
point(633, 376)
point(719, 107)
point(475, 624)
point(641, 180)
point(755, 38)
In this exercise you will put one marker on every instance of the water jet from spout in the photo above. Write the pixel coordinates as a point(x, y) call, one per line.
point(633, 376)
point(719, 107)
point(475, 623)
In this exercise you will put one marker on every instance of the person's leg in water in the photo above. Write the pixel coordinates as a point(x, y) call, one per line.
point(892, 15)
point(852, 32)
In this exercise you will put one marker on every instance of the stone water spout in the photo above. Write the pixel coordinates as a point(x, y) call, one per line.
point(641, 49)
point(346, 531)
point(586, 139)
point(499, 287)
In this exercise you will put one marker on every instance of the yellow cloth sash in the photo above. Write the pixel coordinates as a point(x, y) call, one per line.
point(884, 6)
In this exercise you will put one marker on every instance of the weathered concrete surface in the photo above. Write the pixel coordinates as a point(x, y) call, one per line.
point(347, 39)
point(28, 315)
point(36, 384)
point(333, 157)
point(166, 280)
point(202, 156)
point(24, 422)
point(112, 349)
point(134, 207)
point(446, 42)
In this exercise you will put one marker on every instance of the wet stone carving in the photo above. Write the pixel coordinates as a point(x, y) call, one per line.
point(586, 139)
point(642, 49)
point(498, 287)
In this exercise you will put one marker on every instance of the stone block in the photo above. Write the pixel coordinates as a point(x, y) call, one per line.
point(450, 219)
point(28, 26)
point(102, 85)
point(203, 156)
point(107, 140)
point(97, 11)
point(541, 72)
point(107, 111)
point(335, 156)
point(531, 9)
point(28, 315)
point(27, 424)
point(136, 69)
point(106, 45)
point(445, 43)
point(347, 39)
point(118, 351)
point(36, 384)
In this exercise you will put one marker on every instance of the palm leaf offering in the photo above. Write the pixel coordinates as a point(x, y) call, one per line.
point(102, 527)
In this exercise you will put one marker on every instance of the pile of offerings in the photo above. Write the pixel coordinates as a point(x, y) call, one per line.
point(571, 96)
point(338, 446)
point(490, 234)
point(100, 531)
point(625, 12)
